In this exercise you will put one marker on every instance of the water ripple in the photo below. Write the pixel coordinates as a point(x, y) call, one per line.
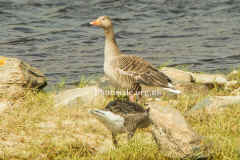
point(56, 36)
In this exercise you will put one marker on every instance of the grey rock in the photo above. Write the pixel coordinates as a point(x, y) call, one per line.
point(174, 136)
point(232, 84)
point(192, 88)
point(4, 105)
point(91, 95)
point(17, 76)
point(214, 104)
point(209, 78)
point(233, 73)
point(177, 75)
point(236, 92)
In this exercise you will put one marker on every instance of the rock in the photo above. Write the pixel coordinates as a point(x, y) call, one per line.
point(91, 95)
point(233, 74)
point(209, 78)
point(233, 84)
point(4, 105)
point(177, 75)
point(236, 92)
point(174, 136)
point(192, 88)
point(213, 104)
point(17, 76)
point(104, 82)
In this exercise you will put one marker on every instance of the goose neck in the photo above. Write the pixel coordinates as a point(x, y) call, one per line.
point(111, 49)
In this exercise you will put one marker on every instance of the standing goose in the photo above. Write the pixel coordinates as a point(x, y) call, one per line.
point(129, 71)
point(121, 117)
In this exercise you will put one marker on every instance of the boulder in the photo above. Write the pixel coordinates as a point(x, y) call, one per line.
point(173, 135)
point(233, 74)
point(4, 105)
point(177, 75)
point(233, 84)
point(17, 76)
point(209, 78)
point(236, 92)
point(192, 88)
point(214, 104)
point(91, 95)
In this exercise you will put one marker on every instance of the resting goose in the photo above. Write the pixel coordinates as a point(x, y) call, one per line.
point(128, 71)
point(121, 117)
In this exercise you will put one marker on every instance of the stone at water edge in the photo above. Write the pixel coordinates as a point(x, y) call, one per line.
point(17, 76)
point(214, 104)
point(233, 74)
point(177, 75)
point(173, 135)
point(192, 88)
point(209, 78)
point(90, 95)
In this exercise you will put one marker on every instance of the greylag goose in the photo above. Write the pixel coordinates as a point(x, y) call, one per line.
point(121, 117)
point(129, 71)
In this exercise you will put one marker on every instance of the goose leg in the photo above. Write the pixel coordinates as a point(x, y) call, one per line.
point(135, 92)
point(114, 140)
point(139, 94)
point(115, 97)
point(131, 134)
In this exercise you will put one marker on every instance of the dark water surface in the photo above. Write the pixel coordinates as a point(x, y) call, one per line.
point(54, 35)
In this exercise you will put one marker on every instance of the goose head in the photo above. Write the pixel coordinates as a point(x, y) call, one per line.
point(103, 22)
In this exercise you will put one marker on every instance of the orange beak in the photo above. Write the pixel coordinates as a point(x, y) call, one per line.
point(2, 61)
point(95, 23)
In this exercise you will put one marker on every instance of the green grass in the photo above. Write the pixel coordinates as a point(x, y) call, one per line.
point(35, 129)
point(84, 81)
point(61, 85)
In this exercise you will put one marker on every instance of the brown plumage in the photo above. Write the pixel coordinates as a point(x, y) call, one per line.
point(128, 71)
point(124, 107)
point(139, 71)
point(122, 117)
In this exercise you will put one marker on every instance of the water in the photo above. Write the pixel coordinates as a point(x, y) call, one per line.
point(54, 35)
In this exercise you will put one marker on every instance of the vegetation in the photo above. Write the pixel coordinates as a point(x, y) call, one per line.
point(35, 129)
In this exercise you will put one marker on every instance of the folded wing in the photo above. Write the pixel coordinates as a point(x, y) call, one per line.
point(140, 70)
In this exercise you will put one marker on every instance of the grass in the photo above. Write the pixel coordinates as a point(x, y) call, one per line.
point(83, 82)
point(35, 129)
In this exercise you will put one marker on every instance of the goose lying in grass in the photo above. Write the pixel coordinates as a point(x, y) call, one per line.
point(122, 117)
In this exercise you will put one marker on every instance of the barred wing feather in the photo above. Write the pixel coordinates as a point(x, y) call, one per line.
point(140, 70)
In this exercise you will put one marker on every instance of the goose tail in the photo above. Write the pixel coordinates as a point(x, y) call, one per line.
point(172, 89)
